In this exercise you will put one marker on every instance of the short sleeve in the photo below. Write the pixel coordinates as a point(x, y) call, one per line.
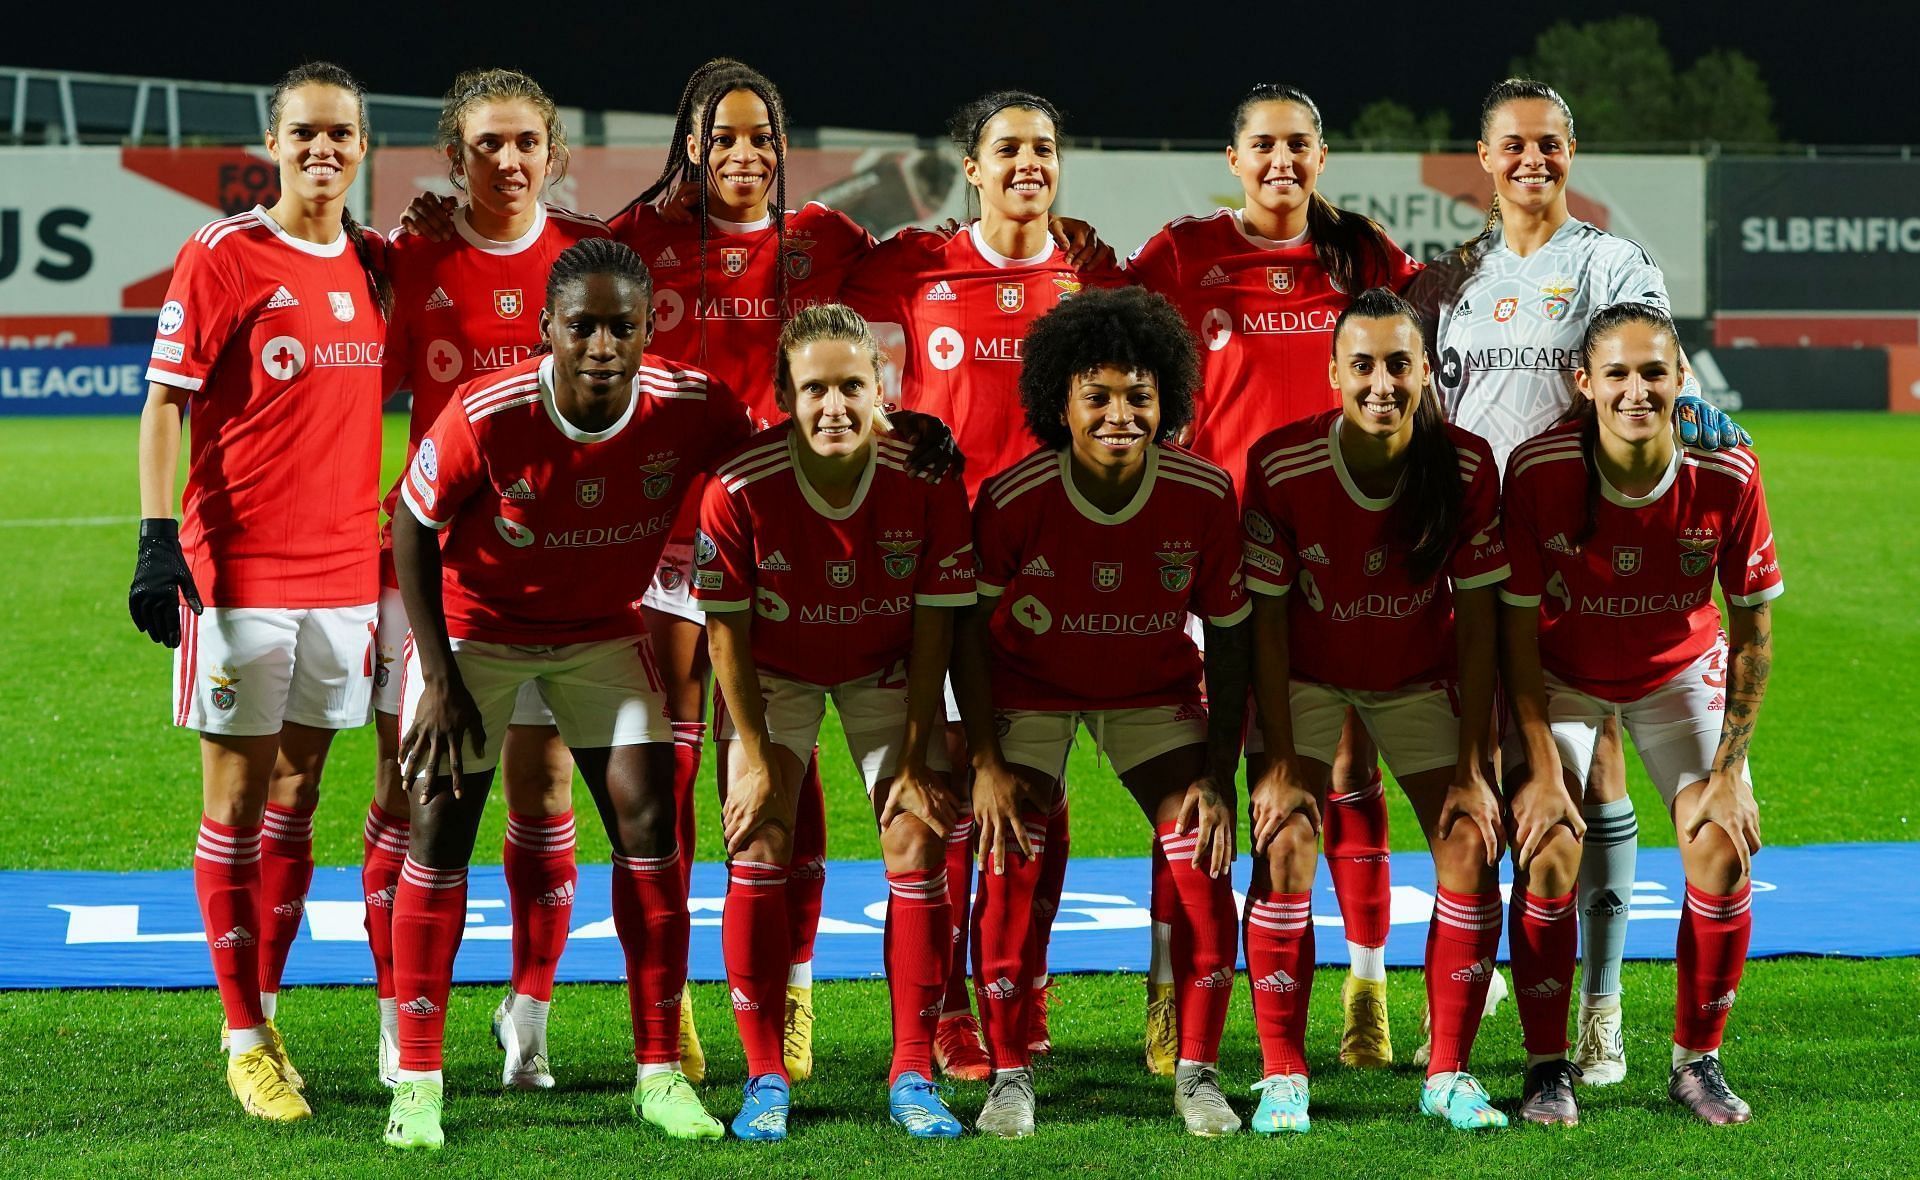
point(878, 286)
point(1221, 596)
point(1749, 568)
point(947, 576)
point(201, 314)
point(446, 469)
point(1266, 541)
point(1156, 265)
point(995, 547)
point(1526, 572)
point(723, 561)
point(1634, 277)
point(1480, 556)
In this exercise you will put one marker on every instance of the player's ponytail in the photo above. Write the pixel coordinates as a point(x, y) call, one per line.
point(1428, 510)
point(1505, 91)
point(325, 73)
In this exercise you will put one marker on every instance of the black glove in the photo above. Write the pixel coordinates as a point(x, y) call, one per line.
point(936, 453)
point(160, 581)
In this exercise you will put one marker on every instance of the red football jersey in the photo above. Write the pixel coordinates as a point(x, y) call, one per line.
point(1629, 607)
point(470, 306)
point(548, 527)
point(1097, 604)
point(833, 589)
point(1263, 312)
point(1358, 619)
point(733, 334)
point(279, 343)
point(966, 311)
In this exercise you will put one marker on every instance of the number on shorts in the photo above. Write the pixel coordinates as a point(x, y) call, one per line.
point(893, 676)
point(1716, 674)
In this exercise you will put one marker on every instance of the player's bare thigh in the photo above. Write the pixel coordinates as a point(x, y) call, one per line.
point(1357, 758)
point(680, 651)
point(1607, 777)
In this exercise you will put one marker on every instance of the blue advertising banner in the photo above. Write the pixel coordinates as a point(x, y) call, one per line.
point(102, 380)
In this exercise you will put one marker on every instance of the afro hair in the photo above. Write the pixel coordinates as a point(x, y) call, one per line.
point(1129, 328)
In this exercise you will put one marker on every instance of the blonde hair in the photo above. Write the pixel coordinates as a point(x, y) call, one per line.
point(474, 87)
point(827, 321)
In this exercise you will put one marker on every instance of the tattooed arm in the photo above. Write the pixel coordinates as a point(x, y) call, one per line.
point(1727, 800)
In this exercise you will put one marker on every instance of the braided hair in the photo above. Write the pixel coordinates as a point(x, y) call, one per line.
point(598, 256)
point(700, 99)
point(1506, 91)
point(325, 73)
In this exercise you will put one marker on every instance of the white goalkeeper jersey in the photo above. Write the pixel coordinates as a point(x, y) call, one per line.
point(1505, 330)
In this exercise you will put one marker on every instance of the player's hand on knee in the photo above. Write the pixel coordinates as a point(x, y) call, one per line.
point(1207, 810)
point(1281, 794)
point(997, 795)
point(1469, 799)
point(1540, 804)
point(445, 722)
point(915, 791)
point(161, 582)
point(749, 807)
point(1727, 803)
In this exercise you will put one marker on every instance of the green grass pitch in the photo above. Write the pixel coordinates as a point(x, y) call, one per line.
point(110, 1083)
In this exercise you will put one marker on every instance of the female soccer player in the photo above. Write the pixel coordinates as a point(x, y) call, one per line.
point(1100, 543)
point(546, 481)
point(1260, 287)
point(460, 314)
point(271, 337)
point(1374, 528)
point(964, 302)
point(1505, 314)
point(853, 568)
point(1619, 533)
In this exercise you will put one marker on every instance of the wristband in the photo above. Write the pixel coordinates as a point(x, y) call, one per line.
point(164, 527)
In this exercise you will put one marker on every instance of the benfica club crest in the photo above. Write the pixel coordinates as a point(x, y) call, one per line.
point(840, 574)
point(798, 262)
point(901, 558)
point(224, 697)
point(1176, 568)
point(1066, 288)
point(1503, 310)
point(589, 492)
point(342, 304)
point(1012, 296)
point(1106, 576)
point(670, 576)
point(1376, 560)
point(1280, 279)
point(733, 261)
point(1696, 554)
point(1554, 301)
point(659, 477)
point(508, 304)
point(1626, 560)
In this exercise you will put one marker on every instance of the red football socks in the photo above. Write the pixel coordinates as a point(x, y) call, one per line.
point(1003, 966)
point(650, 916)
point(689, 738)
point(960, 911)
point(286, 872)
point(384, 849)
point(1280, 964)
point(807, 870)
point(1355, 834)
point(1203, 938)
point(1053, 881)
point(429, 917)
point(1714, 932)
point(1461, 943)
point(1542, 933)
point(226, 878)
point(538, 861)
point(754, 931)
point(918, 921)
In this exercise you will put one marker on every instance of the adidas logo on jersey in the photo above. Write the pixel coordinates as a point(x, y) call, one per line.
point(1221, 978)
point(420, 1006)
point(1214, 277)
point(667, 258)
point(741, 1003)
point(438, 301)
point(1315, 553)
point(519, 489)
point(1002, 989)
point(561, 894)
point(1475, 972)
point(291, 909)
point(1278, 981)
point(1465, 308)
point(238, 936)
point(1038, 568)
point(941, 292)
point(1545, 989)
point(1558, 544)
point(283, 298)
point(1720, 1005)
point(775, 562)
point(381, 899)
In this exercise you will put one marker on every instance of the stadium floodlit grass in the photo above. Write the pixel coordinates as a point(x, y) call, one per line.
point(93, 777)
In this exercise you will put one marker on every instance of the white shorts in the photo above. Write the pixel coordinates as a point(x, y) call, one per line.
point(873, 715)
point(1415, 729)
point(389, 655)
point(671, 590)
point(602, 694)
point(1675, 728)
point(1128, 737)
point(243, 671)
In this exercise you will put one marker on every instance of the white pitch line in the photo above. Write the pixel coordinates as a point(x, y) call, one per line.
point(55, 522)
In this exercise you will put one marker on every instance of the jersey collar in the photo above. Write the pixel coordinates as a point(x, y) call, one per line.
point(1132, 509)
point(1370, 503)
point(1240, 223)
point(520, 244)
point(567, 428)
point(1001, 260)
point(333, 249)
point(1569, 226)
point(740, 227)
point(813, 498)
point(1620, 499)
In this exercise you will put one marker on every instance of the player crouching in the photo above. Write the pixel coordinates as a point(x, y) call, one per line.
point(1373, 548)
point(827, 569)
point(542, 483)
point(1099, 544)
point(1618, 535)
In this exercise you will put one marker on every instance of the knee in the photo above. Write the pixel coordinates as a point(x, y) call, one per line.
point(295, 787)
point(908, 843)
point(644, 826)
point(1711, 862)
point(1290, 857)
point(1461, 860)
point(1555, 868)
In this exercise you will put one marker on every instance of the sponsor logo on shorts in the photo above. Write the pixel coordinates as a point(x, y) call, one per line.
point(224, 696)
point(238, 936)
point(420, 1006)
point(342, 304)
point(172, 316)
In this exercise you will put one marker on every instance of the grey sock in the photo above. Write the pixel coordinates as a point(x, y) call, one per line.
point(1606, 889)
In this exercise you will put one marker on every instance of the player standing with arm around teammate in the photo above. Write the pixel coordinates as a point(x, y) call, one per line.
point(1099, 544)
point(1619, 533)
point(461, 312)
point(829, 570)
point(539, 479)
point(1261, 287)
point(1505, 314)
point(271, 337)
point(1374, 529)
